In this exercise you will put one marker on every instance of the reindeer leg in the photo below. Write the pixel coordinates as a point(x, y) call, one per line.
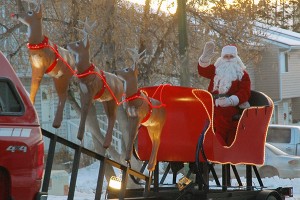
point(154, 133)
point(86, 101)
point(37, 76)
point(133, 124)
point(61, 86)
point(111, 112)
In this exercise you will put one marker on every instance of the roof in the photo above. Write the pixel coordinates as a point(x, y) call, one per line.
point(278, 36)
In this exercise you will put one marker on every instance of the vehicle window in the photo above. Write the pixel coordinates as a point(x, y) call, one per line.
point(279, 135)
point(10, 101)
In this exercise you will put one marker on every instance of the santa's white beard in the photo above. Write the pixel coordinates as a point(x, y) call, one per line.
point(226, 72)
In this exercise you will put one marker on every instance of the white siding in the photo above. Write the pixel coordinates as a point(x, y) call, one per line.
point(267, 73)
point(290, 79)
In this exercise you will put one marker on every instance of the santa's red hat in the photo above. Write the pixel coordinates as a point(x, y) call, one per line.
point(229, 49)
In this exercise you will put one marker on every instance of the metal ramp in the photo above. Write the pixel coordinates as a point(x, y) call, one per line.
point(79, 150)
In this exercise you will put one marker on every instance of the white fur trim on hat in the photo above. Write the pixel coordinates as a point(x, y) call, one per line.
point(229, 49)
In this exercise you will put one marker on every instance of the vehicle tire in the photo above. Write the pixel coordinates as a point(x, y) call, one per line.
point(4, 184)
point(268, 171)
point(268, 195)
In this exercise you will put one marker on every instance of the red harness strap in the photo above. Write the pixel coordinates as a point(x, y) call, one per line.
point(43, 44)
point(86, 72)
point(51, 67)
point(149, 112)
point(89, 71)
point(135, 96)
point(100, 93)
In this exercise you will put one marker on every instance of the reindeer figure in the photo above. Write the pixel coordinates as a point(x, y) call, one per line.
point(95, 84)
point(141, 110)
point(44, 59)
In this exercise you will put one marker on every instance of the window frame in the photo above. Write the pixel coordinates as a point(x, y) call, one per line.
point(17, 97)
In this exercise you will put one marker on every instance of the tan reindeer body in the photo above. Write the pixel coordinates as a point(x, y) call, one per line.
point(95, 84)
point(43, 56)
point(142, 110)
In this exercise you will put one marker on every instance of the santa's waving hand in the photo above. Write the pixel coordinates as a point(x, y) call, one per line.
point(229, 86)
point(208, 54)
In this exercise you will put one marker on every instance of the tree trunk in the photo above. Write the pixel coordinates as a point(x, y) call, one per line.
point(109, 44)
point(183, 43)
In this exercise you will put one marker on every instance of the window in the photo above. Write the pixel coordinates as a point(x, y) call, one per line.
point(44, 95)
point(279, 135)
point(284, 62)
point(274, 119)
point(10, 101)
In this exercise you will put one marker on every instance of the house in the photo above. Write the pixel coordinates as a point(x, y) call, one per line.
point(278, 73)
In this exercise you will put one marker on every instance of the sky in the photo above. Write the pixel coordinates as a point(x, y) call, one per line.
point(87, 180)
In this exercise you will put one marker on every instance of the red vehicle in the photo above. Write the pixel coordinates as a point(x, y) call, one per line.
point(21, 141)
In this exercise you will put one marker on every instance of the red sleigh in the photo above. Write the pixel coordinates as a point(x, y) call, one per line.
point(188, 111)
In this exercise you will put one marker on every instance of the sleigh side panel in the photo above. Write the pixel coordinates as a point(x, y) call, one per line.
point(186, 118)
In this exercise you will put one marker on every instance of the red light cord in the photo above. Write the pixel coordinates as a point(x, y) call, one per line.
point(45, 43)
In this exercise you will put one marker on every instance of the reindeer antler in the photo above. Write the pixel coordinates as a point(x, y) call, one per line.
point(136, 56)
point(30, 1)
point(35, 2)
point(87, 27)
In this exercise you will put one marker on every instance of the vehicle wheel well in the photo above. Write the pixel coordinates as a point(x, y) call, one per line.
point(5, 184)
point(268, 171)
point(268, 195)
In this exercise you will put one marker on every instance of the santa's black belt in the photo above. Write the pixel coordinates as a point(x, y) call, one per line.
point(216, 96)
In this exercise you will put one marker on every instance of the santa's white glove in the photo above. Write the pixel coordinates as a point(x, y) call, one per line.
point(233, 100)
point(244, 105)
point(208, 54)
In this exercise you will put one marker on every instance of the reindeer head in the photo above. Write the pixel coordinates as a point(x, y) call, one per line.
point(128, 73)
point(31, 17)
point(81, 48)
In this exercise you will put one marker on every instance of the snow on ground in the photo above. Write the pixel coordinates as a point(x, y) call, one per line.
point(87, 181)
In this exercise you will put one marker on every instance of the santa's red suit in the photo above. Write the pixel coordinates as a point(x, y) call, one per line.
point(230, 86)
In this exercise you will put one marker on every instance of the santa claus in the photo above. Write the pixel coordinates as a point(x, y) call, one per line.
point(230, 87)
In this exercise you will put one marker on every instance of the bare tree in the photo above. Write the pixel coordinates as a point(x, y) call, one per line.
point(123, 25)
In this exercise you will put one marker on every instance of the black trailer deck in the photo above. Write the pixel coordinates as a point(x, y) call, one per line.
point(150, 187)
point(172, 193)
point(185, 188)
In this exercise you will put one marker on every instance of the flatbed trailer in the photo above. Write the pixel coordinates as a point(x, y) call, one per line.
point(187, 189)
point(151, 187)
